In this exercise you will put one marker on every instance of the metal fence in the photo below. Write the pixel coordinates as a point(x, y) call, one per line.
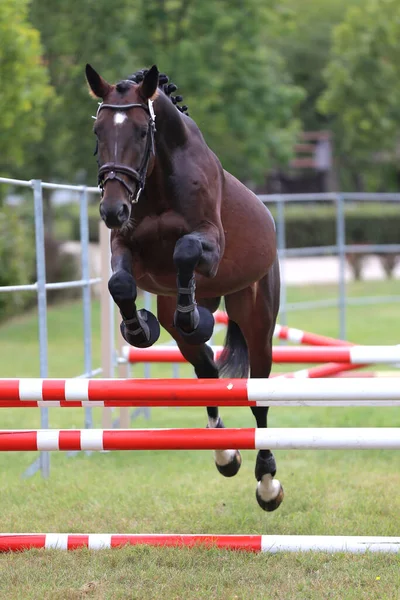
point(41, 287)
point(340, 249)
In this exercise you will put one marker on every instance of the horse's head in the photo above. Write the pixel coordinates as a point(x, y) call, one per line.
point(124, 126)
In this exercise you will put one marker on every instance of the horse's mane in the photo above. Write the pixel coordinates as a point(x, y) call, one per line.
point(163, 84)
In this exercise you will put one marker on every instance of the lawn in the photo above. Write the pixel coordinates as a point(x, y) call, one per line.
point(327, 492)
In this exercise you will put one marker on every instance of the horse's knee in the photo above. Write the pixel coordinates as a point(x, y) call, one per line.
point(122, 287)
point(187, 253)
point(269, 492)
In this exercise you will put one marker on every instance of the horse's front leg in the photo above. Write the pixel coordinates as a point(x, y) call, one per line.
point(198, 251)
point(139, 328)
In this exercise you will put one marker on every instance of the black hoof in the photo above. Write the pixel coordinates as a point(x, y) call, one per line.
point(203, 331)
point(142, 331)
point(231, 468)
point(270, 505)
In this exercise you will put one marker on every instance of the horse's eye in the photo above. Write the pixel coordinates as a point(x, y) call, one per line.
point(143, 133)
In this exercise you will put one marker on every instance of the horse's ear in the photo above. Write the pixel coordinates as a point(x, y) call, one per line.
point(149, 84)
point(97, 84)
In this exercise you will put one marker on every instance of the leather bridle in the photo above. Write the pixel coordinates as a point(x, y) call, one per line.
point(109, 171)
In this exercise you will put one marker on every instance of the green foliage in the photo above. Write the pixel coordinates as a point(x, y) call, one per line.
point(305, 45)
point(17, 259)
point(363, 78)
point(60, 267)
point(235, 83)
point(67, 222)
point(218, 52)
point(74, 33)
point(24, 89)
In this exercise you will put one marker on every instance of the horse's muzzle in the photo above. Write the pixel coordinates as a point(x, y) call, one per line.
point(115, 216)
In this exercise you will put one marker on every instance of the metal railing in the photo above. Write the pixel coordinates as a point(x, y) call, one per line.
point(340, 249)
point(41, 287)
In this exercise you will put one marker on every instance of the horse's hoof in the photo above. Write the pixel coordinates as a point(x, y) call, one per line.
point(273, 504)
point(203, 331)
point(230, 469)
point(143, 330)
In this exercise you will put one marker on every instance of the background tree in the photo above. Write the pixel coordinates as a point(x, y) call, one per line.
point(363, 87)
point(305, 44)
point(72, 34)
point(24, 89)
point(235, 83)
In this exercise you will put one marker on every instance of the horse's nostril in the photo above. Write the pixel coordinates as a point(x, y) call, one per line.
point(123, 213)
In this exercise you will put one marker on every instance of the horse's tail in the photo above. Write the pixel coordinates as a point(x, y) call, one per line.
point(234, 360)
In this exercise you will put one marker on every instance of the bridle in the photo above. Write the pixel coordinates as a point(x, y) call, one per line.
point(109, 171)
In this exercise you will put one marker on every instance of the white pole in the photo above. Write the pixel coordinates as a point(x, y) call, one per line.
point(329, 543)
point(328, 438)
point(107, 319)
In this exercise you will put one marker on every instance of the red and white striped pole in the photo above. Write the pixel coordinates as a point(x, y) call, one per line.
point(277, 391)
point(332, 438)
point(18, 542)
point(356, 355)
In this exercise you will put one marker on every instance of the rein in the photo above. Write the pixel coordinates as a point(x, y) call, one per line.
point(109, 171)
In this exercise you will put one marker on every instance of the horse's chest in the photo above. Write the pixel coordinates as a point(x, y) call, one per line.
point(154, 241)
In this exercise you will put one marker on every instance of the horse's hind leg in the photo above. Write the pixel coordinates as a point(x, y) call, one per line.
point(139, 328)
point(201, 357)
point(254, 310)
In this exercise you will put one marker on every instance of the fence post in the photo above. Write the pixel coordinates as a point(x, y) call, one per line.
point(107, 317)
point(341, 243)
point(42, 309)
point(281, 242)
point(86, 293)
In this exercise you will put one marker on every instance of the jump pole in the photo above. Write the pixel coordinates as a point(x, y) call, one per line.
point(292, 334)
point(356, 355)
point(18, 542)
point(331, 438)
point(276, 391)
point(305, 337)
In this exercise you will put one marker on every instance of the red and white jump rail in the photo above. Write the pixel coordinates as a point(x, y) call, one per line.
point(305, 337)
point(291, 334)
point(18, 542)
point(199, 392)
point(331, 438)
point(356, 355)
point(298, 336)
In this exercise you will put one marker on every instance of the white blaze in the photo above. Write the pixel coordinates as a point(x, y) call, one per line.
point(119, 118)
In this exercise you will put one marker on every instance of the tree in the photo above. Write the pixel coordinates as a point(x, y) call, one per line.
point(305, 45)
point(363, 80)
point(73, 33)
point(233, 80)
point(24, 90)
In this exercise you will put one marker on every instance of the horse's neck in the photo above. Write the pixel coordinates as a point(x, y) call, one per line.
point(170, 125)
point(171, 135)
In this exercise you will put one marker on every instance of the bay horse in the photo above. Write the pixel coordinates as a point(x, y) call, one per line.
point(189, 232)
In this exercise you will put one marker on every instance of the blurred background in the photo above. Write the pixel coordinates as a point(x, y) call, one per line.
point(294, 97)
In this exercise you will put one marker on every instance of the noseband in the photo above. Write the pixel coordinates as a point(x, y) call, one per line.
point(109, 171)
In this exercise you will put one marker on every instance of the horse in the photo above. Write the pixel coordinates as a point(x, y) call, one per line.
point(189, 232)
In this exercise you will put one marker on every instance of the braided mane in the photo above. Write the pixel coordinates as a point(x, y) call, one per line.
point(163, 84)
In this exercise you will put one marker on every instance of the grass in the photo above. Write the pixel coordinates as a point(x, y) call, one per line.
point(327, 492)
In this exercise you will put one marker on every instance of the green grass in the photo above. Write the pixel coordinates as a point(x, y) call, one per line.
point(327, 492)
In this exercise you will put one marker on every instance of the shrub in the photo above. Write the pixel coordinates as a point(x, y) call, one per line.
point(17, 260)
point(60, 266)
